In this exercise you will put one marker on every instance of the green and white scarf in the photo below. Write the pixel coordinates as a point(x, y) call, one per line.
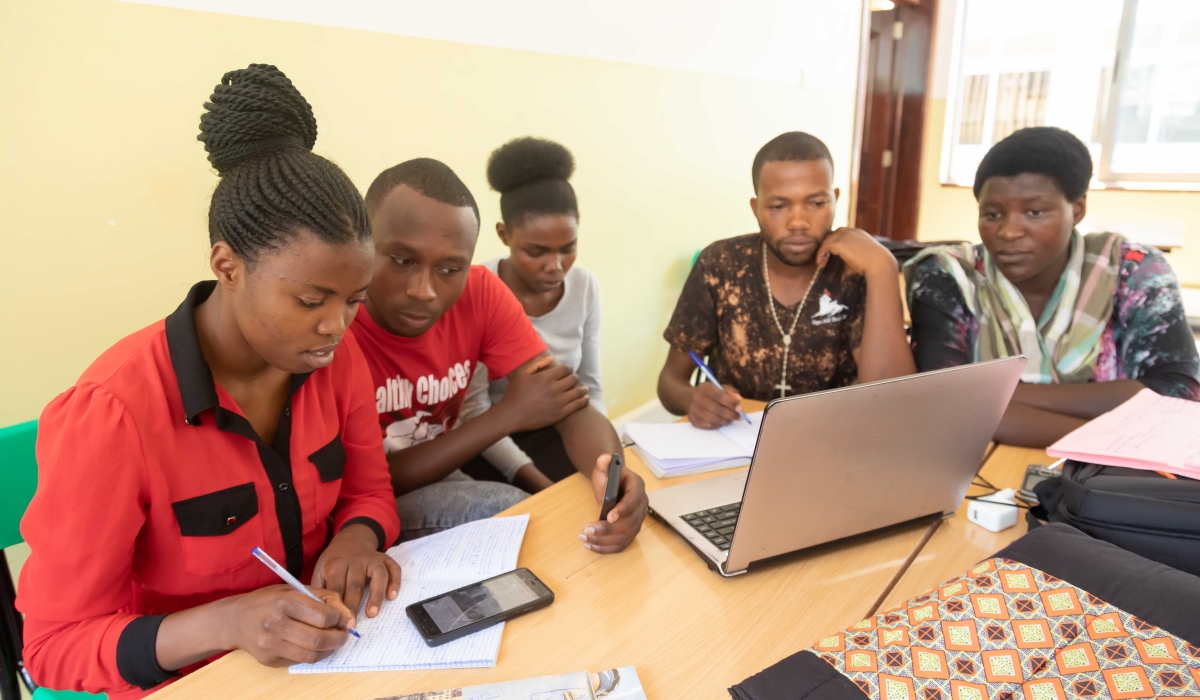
point(1062, 346)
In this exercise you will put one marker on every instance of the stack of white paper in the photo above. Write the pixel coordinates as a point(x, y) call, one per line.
point(431, 566)
point(676, 449)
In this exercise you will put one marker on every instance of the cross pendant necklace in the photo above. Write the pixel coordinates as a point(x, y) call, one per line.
point(783, 386)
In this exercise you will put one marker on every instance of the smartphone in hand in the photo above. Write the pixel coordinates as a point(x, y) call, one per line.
point(612, 488)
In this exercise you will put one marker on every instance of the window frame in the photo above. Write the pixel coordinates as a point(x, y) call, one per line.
point(1105, 177)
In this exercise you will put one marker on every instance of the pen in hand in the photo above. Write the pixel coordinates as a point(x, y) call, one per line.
point(291, 580)
point(712, 378)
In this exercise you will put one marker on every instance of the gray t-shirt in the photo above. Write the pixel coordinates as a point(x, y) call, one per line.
point(571, 330)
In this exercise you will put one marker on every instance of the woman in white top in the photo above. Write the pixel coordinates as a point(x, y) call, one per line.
point(540, 227)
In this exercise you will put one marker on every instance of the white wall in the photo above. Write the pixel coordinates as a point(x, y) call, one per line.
point(765, 39)
point(104, 187)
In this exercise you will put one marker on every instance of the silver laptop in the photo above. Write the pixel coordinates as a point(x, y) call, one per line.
point(842, 462)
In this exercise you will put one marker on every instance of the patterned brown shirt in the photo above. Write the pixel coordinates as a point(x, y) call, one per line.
point(723, 313)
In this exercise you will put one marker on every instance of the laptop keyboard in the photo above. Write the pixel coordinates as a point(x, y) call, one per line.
point(716, 523)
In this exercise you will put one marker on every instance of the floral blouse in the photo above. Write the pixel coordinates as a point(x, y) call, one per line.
point(1147, 337)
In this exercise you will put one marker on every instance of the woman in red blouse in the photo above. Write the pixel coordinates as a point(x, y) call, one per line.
point(239, 421)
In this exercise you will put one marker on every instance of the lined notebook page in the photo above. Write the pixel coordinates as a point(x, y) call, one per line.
point(431, 566)
point(473, 551)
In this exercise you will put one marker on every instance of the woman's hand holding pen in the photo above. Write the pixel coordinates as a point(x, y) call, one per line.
point(278, 626)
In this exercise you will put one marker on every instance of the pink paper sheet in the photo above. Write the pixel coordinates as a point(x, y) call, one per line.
point(1149, 431)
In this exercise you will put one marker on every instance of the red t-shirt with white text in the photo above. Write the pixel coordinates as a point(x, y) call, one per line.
point(420, 382)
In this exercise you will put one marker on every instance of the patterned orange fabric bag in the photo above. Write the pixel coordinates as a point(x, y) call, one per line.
point(1055, 616)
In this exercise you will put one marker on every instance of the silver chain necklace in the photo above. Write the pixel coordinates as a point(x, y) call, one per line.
point(783, 386)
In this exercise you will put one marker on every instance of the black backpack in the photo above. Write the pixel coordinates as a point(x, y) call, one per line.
point(1141, 511)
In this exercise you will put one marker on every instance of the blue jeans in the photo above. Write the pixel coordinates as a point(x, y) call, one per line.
point(455, 500)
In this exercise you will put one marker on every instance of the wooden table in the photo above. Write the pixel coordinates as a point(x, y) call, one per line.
point(956, 544)
point(655, 606)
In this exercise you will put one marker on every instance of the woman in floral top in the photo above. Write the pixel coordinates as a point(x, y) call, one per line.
point(1099, 317)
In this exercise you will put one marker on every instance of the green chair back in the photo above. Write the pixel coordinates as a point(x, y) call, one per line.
point(18, 473)
point(44, 694)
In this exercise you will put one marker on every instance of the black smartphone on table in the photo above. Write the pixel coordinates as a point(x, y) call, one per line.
point(460, 612)
point(612, 487)
point(1034, 475)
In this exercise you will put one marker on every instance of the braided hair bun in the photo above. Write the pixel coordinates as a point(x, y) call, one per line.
point(531, 176)
point(259, 132)
point(253, 111)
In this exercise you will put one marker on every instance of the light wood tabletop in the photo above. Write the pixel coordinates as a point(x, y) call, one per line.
point(957, 544)
point(655, 606)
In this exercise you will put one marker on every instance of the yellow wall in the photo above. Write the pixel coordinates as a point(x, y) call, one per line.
point(104, 189)
point(948, 211)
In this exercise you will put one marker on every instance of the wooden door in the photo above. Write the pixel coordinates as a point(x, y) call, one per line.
point(889, 183)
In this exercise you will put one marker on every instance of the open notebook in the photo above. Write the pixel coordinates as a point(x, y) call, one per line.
point(676, 449)
point(1153, 432)
point(431, 566)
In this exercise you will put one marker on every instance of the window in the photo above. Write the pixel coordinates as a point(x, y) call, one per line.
point(975, 89)
point(1020, 102)
point(1156, 130)
point(1021, 63)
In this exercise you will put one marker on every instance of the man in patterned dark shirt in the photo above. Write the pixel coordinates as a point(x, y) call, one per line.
point(794, 308)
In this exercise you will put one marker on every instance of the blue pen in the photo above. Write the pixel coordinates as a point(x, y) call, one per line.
point(291, 580)
point(708, 373)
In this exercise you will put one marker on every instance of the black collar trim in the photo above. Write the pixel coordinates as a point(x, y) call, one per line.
point(196, 386)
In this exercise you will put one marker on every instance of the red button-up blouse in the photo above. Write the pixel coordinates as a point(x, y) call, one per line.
point(153, 488)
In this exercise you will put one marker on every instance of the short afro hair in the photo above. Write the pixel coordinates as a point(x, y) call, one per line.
point(430, 177)
point(1046, 150)
point(531, 176)
point(793, 146)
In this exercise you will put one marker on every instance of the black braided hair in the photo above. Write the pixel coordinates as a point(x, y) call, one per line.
point(259, 132)
point(791, 146)
point(1046, 150)
point(430, 177)
point(531, 176)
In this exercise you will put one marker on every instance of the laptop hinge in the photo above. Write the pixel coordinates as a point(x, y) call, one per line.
point(721, 570)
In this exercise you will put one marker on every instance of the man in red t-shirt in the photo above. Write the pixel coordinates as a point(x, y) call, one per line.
point(429, 319)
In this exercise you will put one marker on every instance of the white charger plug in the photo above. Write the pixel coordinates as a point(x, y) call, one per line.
point(995, 512)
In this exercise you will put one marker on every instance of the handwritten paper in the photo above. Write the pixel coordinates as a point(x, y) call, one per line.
point(1149, 431)
point(431, 566)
